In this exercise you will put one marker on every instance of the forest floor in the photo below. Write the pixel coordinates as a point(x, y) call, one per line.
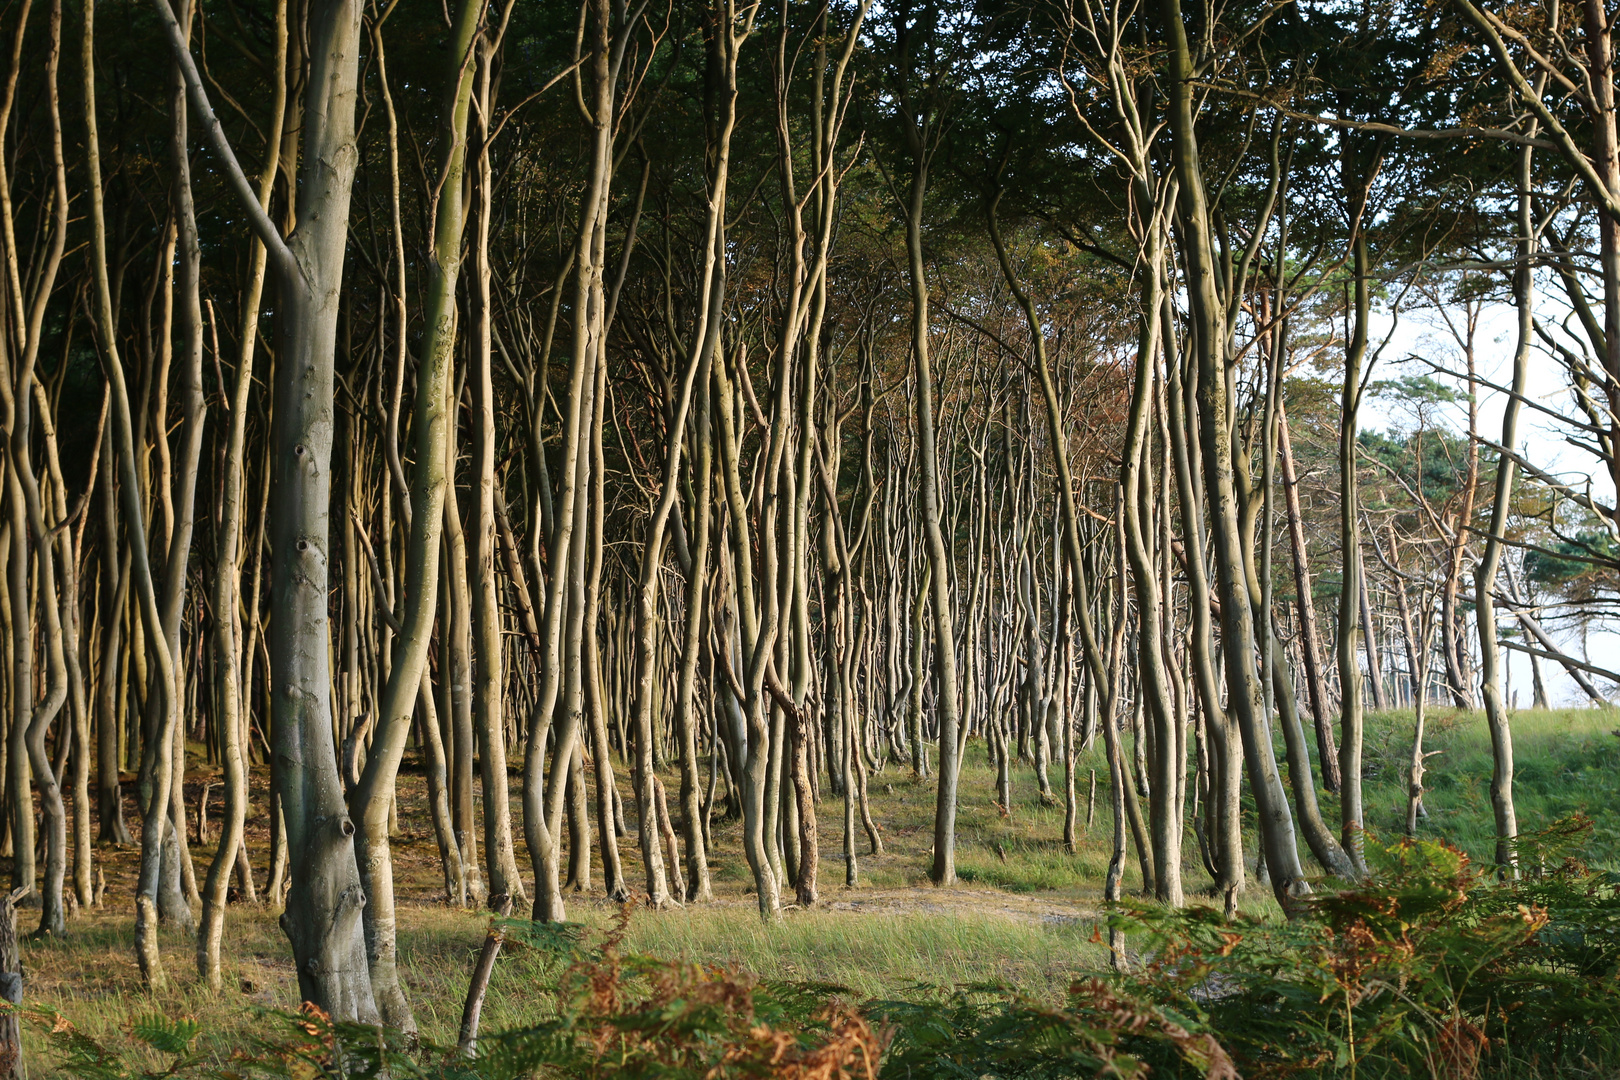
point(1023, 915)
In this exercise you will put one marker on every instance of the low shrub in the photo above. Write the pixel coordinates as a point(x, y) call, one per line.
point(1430, 967)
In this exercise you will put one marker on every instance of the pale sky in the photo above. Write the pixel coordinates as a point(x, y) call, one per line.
point(1540, 437)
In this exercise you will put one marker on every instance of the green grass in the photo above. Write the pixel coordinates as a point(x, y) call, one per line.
point(1565, 761)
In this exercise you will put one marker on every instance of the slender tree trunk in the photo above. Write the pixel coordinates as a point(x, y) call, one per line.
point(26, 744)
point(429, 511)
point(563, 633)
point(228, 562)
point(1351, 811)
point(456, 628)
point(1369, 640)
point(1224, 740)
point(943, 871)
point(156, 802)
point(756, 639)
point(1153, 686)
point(1309, 640)
point(697, 861)
point(1496, 713)
point(488, 687)
point(115, 578)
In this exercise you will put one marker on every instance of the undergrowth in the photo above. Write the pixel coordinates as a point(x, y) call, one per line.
point(1430, 967)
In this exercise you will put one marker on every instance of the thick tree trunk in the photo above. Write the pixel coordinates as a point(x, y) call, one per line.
point(1238, 619)
point(323, 915)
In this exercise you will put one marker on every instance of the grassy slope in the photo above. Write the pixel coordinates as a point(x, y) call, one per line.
point(1024, 914)
point(1566, 761)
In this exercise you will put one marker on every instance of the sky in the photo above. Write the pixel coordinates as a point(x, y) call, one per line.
point(1421, 335)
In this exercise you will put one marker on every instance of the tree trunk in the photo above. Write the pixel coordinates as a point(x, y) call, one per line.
point(488, 688)
point(322, 919)
point(1496, 714)
point(1153, 685)
point(1237, 617)
point(697, 860)
point(228, 564)
point(1352, 814)
point(943, 871)
point(11, 990)
point(1309, 639)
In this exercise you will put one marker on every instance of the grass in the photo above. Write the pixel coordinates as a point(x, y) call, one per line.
point(1565, 761)
point(881, 953)
point(1024, 913)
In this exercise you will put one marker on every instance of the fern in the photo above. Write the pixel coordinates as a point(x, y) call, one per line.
point(165, 1035)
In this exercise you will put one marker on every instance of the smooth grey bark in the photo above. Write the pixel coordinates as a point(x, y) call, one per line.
point(1210, 337)
point(1310, 646)
point(920, 143)
point(1352, 814)
point(1485, 589)
point(322, 919)
point(1153, 680)
point(488, 687)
